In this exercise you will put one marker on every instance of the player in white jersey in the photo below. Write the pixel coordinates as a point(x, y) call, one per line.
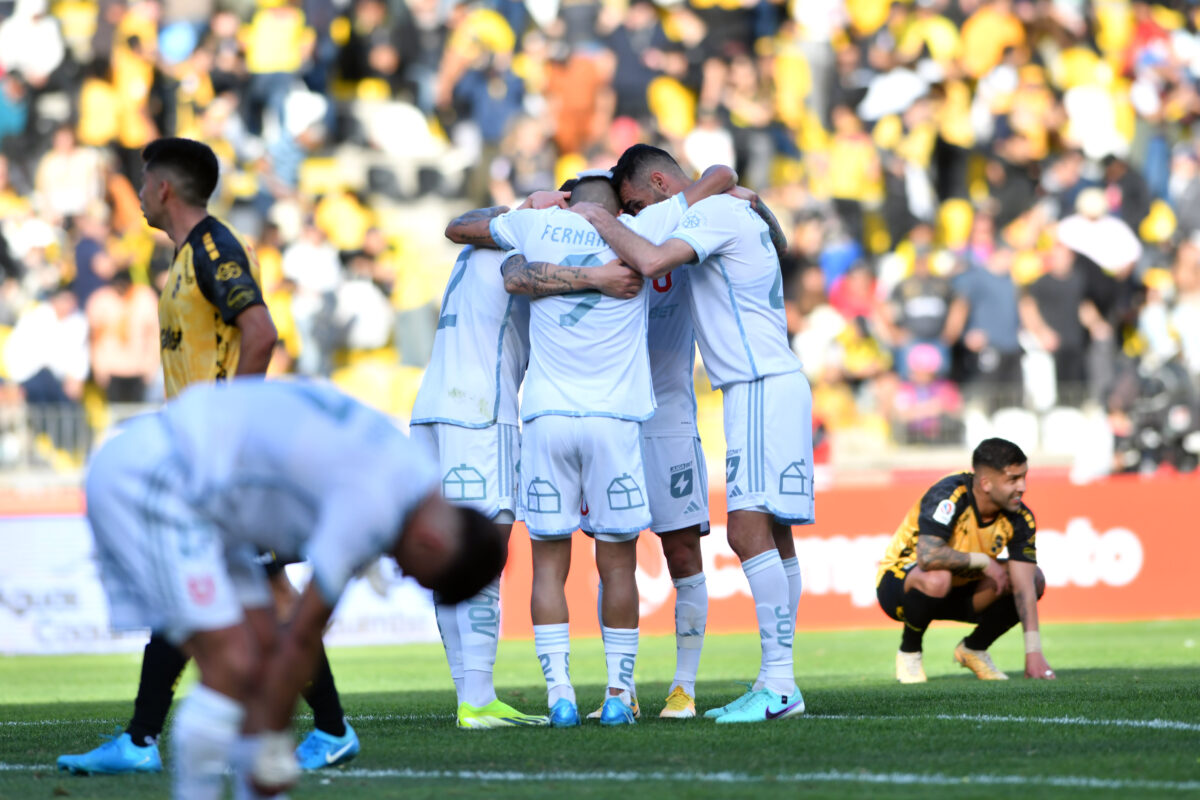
point(586, 392)
point(301, 470)
point(676, 475)
point(736, 299)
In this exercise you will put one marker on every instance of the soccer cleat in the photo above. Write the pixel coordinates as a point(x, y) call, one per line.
point(733, 705)
point(637, 710)
point(766, 705)
point(909, 668)
point(320, 749)
point(564, 714)
point(680, 705)
point(497, 714)
point(979, 662)
point(117, 756)
point(615, 712)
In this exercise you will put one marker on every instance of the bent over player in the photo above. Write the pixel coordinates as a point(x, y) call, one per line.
point(304, 471)
point(944, 563)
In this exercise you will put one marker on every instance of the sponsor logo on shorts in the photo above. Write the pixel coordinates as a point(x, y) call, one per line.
point(624, 494)
point(201, 589)
point(795, 479)
point(732, 462)
point(542, 497)
point(681, 483)
point(464, 483)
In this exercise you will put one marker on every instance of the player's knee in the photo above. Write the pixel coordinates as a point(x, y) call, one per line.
point(682, 552)
point(229, 662)
point(936, 583)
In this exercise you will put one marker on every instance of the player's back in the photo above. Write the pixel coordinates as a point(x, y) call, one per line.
point(480, 349)
point(268, 462)
point(588, 352)
point(736, 292)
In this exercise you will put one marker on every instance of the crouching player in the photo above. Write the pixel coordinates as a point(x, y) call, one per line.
point(181, 501)
point(943, 564)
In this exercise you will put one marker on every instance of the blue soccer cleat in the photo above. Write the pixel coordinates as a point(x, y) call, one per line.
point(118, 756)
point(732, 705)
point(564, 714)
point(320, 749)
point(616, 712)
point(766, 705)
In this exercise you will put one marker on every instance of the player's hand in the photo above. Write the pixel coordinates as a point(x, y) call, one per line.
point(617, 280)
point(540, 200)
point(1037, 668)
point(590, 211)
point(999, 575)
point(742, 193)
point(275, 768)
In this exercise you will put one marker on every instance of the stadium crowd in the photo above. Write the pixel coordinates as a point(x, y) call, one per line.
point(991, 203)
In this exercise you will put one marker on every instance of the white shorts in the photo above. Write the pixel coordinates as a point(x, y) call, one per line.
point(163, 565)
point(584, 472)
point(768, 456)
point(478, 465)
point(676, 483)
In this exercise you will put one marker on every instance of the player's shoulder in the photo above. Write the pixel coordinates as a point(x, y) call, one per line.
point(947, 498)
point(1022, 518)
point(216, 242)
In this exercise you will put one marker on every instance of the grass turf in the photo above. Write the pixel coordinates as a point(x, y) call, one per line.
point(863, 735)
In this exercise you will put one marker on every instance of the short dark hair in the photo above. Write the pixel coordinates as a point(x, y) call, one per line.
point(568, 185)
point(480, 559)
point(193, 167)
point(641, 159)
point(997, 454)
point(595, 189)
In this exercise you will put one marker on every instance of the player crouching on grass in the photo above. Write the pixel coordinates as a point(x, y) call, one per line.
point(943, 563)
point(180, 502)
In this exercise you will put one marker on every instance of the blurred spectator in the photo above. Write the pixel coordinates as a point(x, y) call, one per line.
point(490, 98)
point(527, 163)
point(69, 178)
point(278, 43)
point(926, 407)
point(637, 45)
point(123, 324)
point(31, 43)
point(311, 263)
point(984, 312)
point(47, 351)
point(362, 313)
point(1053, 310)
point(918, 311)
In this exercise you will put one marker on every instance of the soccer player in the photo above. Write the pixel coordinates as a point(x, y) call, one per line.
point(466, 412)
point(302, 470)
point(736, 298)
point(587, 390)
point(214, 324)
point(943, 563)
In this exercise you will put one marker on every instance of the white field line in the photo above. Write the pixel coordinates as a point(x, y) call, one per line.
point(1153, 724)
point(831, 776)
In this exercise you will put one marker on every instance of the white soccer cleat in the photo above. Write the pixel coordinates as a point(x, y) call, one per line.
point(909, 668)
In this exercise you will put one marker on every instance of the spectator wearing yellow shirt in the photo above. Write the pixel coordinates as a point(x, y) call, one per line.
point(278, 42)
point(854, 169)
point(987, 34)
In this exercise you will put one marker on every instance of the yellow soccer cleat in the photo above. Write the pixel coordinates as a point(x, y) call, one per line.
point(680, 705)
point(909, 668)
point(979, 662)
point(497, 714)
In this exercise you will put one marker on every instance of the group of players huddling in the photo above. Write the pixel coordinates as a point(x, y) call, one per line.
point(595, 315)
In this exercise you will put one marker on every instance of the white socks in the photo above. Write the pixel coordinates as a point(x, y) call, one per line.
point(202, 738)
point(620, 653)
point(479, 632)
point(243, 764)
point(791, 568)
point(691, 617)
point(470, 633)
point(553, 646)
point(776, 623)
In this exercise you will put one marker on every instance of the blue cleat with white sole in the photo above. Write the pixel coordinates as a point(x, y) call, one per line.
point(564, 714)
point(616, 712)
point(320, 749)
point(732, 705)
point(766, 705)
point(118, 756)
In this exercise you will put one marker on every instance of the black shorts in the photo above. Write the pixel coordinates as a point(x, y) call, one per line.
point(958, 605)
point(271, 563)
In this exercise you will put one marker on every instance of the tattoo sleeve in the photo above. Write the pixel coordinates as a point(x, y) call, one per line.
point(541, 278)
point(473, 227)
point(777, 237)
point(934, 553)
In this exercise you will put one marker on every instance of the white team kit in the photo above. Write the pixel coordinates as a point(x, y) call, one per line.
point(587, 389)
point(466, 409)
point(676, 473)
point(181, 500)
point(736, 298)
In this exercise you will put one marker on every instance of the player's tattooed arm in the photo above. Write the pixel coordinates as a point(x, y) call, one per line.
point(474, 227)
point(542, 279)
point(651, 260)
point(934, 553)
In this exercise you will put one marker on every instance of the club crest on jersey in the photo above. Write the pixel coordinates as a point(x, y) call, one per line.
point(944, 512)
point(201, 589)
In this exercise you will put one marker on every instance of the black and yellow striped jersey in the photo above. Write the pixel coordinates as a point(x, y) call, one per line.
point(948, 512)
point(213, 279)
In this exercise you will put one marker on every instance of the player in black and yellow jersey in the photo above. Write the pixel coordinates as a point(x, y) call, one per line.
point(944, 563)
point(213, 325)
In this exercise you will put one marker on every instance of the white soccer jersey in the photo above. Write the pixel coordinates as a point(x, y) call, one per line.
point(480, 349)
point(671, 334)
point(298, 468)
point(588, 353)
point(736, 292)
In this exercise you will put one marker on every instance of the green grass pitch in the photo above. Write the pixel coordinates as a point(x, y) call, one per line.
point(1123, 720)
